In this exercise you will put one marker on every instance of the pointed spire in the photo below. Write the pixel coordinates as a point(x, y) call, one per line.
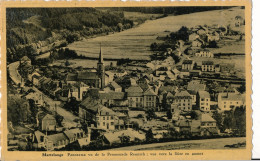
point(100, 55)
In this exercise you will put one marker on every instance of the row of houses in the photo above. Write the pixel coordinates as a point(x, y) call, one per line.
point(60, 140)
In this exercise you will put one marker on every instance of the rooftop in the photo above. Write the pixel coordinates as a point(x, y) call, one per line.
point(204, 94)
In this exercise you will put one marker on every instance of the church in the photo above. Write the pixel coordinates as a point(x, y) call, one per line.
point(93, 77)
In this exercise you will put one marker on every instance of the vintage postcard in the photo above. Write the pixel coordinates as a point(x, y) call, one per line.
point(113, 80)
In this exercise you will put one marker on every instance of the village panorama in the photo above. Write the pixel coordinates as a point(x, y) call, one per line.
point(129, 78)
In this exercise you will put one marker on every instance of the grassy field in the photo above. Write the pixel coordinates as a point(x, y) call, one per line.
point(135, 43)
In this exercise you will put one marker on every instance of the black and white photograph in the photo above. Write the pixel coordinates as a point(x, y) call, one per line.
point(126, 78)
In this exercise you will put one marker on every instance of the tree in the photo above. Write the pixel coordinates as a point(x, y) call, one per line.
point(150, 114)
point(218, 117)
point(169, 114)
point(67, 63)
point(149, 135)
point(124, 139)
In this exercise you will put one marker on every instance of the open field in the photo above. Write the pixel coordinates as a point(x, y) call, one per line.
point(85, 63)
point(190, 144)
point(135, 43)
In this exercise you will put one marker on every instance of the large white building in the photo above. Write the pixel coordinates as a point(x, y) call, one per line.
point(228, 101)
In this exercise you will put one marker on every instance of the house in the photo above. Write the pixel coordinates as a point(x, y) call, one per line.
point(239, 21)
point(207, 66)
point(184, 126)
point(37, 97)
point(213, 37)
point(116, 137)
point(149, 99)
point(228, 101)
point(78, 90)
point(30, 76)
point(105, 118)
point(184, 100)
point(193, 37)
point(109, 77)
point(135, 96)
point(46, 122)
point(112, 98)
point(217, 68)
point(115, 87)
point(208, 125)
point(187, 65)
point(38, 140)
point(25, 61)
point(204, 53)
point(203, 100)
point(74, 134)
point(36, 79)
point(56, 141)
point(175, 110)
point(193, 87)
point(197, 43)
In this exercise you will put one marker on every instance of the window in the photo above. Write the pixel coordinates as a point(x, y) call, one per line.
point(237, 102)
point(104, 118)
point(112, 123)
point(107, 117)
point(224, 102)
point(97, 118)
point(224, 106)
point(207, 104)
point(104, 124)
point(202, 99)
point(98, 124)
point(112, 117)
point(136, 99)
point(141, 99)
point(207, 99)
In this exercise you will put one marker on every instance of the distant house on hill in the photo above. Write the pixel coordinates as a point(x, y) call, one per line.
point(193, 88)
point(204, 53)
point(197, 43)
point(115, 87)
point(193, 37)
point(239, 21)
point(207, 66)
point(208, 125)
point(187, 65)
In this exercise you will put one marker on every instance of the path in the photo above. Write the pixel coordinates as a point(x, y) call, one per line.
point(200, 144)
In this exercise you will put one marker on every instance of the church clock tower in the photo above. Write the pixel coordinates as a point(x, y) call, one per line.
point(101, 70)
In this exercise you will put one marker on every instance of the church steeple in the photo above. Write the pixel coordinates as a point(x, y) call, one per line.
point(100, 60)
point(101, 70)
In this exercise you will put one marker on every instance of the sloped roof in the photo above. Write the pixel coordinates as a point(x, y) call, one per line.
point(149, 92)
point(112, 95)
point(115, 85)
point(72, 132)
point(25, 58)
point(187, 62)
point(38, 135)
point(169, 95)
point(102, 110)
point(206, 118)
point(86, 75)
point(134, 91)
point(90, 104)
point(183, 94)
point(231, 96)
point(167, 88)
point(71, 77)
point(55, 138)
point(48, 117)
point(196, 86)
point(204, 94)
point(207, 63)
